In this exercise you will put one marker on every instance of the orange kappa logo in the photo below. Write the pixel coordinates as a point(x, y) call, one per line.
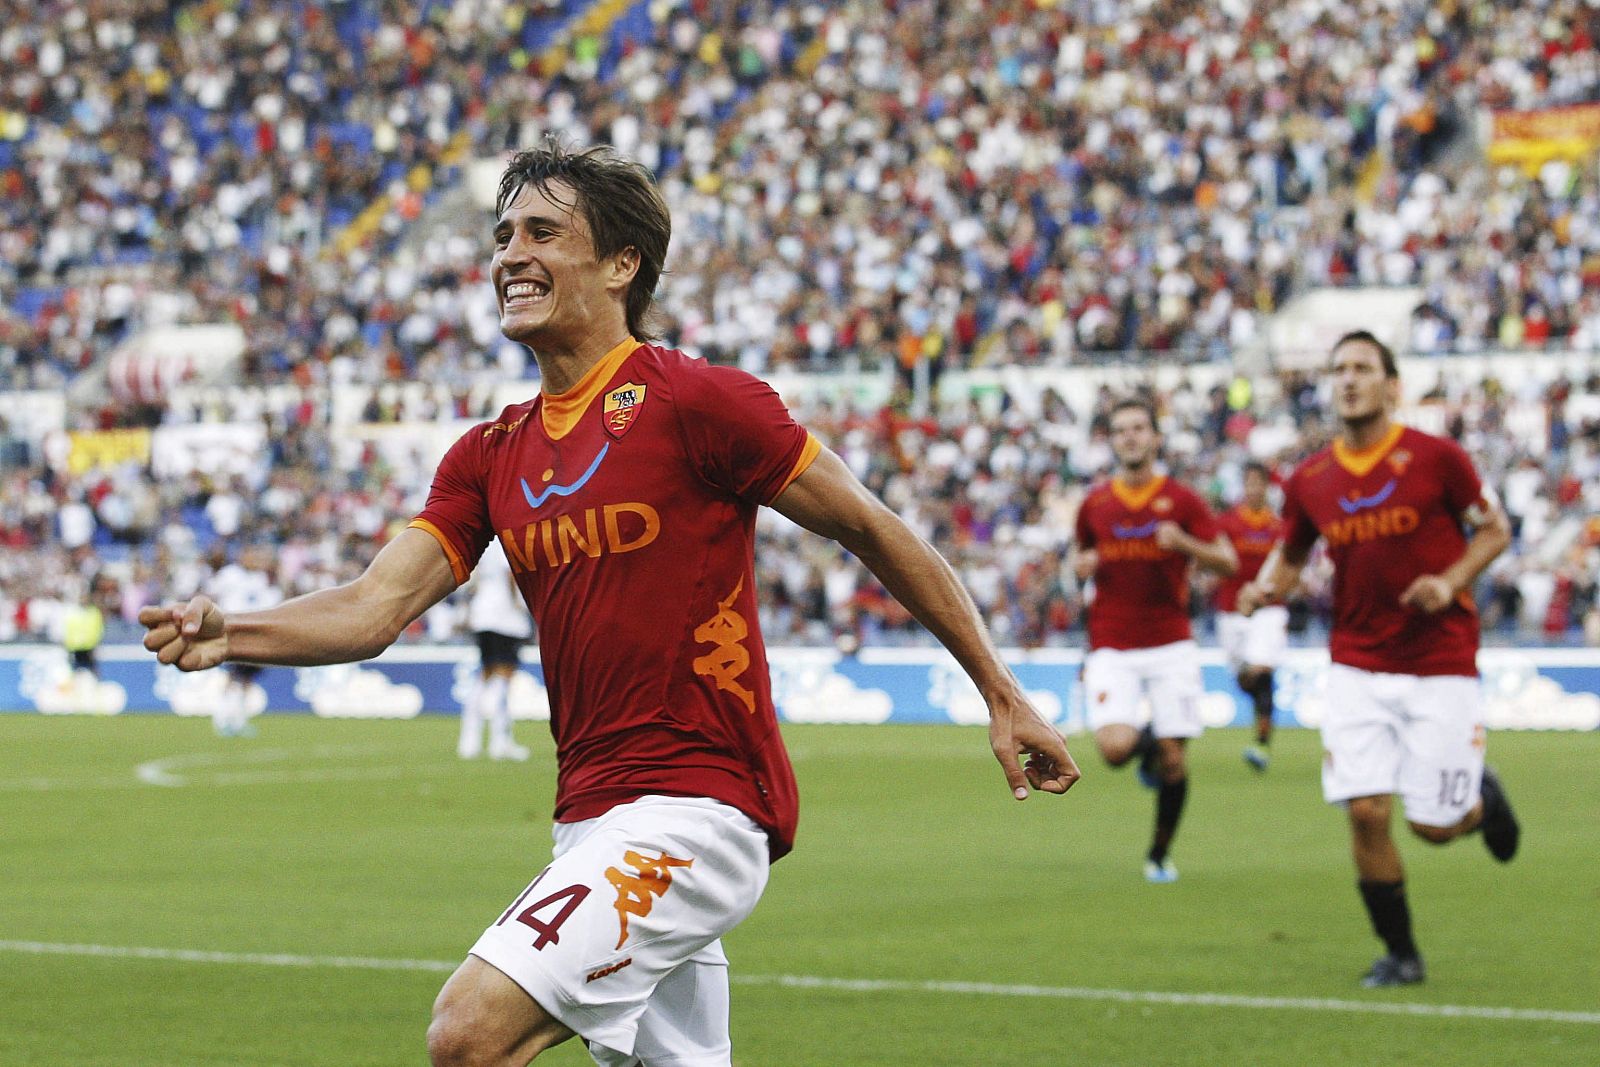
point(636, 893)
point(1161, 505)
point(727, 630)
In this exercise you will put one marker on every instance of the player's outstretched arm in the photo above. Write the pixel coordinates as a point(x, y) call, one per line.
point(340, 625)
point(827, 499)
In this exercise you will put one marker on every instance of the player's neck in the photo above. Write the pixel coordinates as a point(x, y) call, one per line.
point(1362, 434)
point(1136, 477)
point(562, 367)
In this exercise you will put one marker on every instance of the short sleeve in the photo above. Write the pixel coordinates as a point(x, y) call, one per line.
point(457, 512)
point(1299, 532)
point(1464, 494)
point(1083, 530)
point(738, 433)
point(1199, 520)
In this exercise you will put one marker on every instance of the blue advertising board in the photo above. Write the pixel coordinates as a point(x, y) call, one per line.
point(1524, 688)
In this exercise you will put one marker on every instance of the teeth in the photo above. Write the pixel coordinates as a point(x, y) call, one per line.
point(521, 289)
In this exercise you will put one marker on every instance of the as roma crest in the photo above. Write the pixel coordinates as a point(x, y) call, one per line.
point(621, 408)
point(1399, 460)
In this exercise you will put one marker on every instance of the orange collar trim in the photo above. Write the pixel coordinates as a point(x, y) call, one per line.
point(1360, 462)
point(1137, 499)
point(1252, 517)
point(560, 412)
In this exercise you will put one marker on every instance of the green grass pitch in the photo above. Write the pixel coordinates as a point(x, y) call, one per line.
point(266, 859)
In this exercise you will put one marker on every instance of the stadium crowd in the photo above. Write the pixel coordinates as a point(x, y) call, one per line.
point(1022, 182)
point(954, 183)
point(994, 484)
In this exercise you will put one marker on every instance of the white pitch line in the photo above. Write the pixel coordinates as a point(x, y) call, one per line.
point(857, 985)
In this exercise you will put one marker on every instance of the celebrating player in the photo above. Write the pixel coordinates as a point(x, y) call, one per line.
point(1136, 536)
point(1254, 645)
point(625, 496)
point(1404, 713)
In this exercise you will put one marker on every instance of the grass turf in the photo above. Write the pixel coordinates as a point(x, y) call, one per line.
point(369, 839)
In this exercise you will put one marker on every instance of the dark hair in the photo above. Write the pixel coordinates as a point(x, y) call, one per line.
point(1391, 369)
point(1255, 466)
point(618, 198)
point(1135, 403)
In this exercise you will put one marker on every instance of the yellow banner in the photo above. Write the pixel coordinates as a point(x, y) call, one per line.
point(1532, 138)
point(104, 449)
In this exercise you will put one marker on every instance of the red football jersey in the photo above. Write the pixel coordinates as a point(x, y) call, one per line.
point(1390, 514)
point(1253, 533)
point(1141, 592)
point(627, 507)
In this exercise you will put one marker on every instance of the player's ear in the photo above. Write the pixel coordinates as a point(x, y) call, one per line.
point(624, 265)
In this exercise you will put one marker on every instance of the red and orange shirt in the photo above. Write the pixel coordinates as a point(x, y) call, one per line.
point(1141, 591)
point(1252, 534)
point(627, 508)
point(1390, 514)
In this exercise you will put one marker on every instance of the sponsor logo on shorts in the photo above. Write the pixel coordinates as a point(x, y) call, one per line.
point(636, 893)
point(606, 972)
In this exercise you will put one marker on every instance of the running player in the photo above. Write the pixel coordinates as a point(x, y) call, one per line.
point(1254, 645)
point(625, 496)
point(1136, 536)
point(1409, 527)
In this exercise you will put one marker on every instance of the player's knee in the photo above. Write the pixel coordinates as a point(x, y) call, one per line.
point(1436, 835)
point(452, 1043)
point(1368, 817)
point(458, 1038)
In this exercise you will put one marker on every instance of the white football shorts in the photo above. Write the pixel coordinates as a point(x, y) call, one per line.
point(1256, 640)
point(1419, 738)
point(619, 938)
point(1117, 681)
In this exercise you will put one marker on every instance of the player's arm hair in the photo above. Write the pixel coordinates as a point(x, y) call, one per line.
point(349, 622)
point(829, 500)
point(1491, 536)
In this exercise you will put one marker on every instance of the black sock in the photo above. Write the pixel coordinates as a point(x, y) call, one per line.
point(1391, 918)
point(1261, 694)
point(1169, 809)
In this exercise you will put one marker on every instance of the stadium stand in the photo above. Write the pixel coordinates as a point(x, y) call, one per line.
point(905, 195)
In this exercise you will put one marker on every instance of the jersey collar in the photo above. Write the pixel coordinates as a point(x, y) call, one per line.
point(560, 412)
point(1137, 499)
point(1361, 461)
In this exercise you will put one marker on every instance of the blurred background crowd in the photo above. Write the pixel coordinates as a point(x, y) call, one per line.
point(893, 190)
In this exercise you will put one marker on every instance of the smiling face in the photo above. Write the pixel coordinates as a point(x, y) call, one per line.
point(1362, 389)
point(554, 292)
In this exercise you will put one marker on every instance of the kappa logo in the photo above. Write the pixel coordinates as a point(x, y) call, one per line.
point(1399, 460)
point(1161, 505)
point(621, 408)
point(606, 972)
point(636, 893)
point(727, 630)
